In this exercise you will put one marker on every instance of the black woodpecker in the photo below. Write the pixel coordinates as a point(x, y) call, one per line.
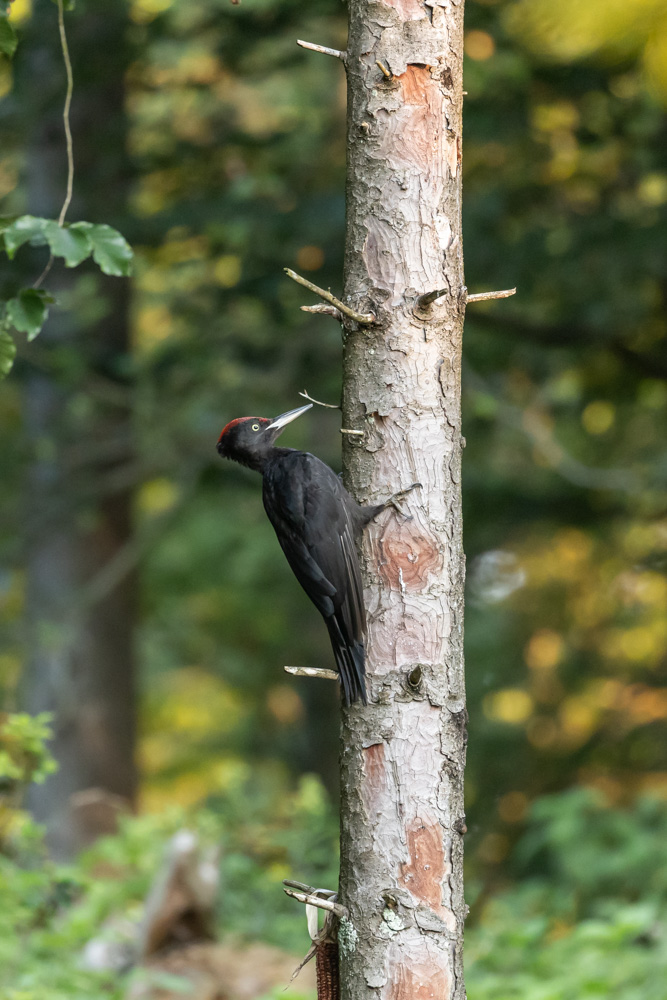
point(318, 524)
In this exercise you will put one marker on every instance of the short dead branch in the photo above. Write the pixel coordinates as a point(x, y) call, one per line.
point(364, 319)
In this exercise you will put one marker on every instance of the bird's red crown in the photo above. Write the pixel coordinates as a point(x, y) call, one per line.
point(240, 420)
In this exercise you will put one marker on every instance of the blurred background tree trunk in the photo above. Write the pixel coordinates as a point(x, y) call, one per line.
point(80, 592)
point(403, 757)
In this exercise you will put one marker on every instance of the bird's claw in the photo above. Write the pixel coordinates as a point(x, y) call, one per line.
point(394, 500)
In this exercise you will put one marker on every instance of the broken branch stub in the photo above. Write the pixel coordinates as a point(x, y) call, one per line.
point(324, 310)
point(325, 675)
point(364, 319)
point(483, 296)
point(323, 49)
point(318, 901)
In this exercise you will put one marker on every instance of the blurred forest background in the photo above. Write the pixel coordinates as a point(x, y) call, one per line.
point(144, 601)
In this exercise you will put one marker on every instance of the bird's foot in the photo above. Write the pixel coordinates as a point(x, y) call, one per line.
point(395, 498)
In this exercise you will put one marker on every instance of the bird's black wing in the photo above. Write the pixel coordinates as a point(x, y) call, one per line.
point(312, 515)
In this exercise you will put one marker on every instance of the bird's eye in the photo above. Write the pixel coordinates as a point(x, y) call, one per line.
point(255, 427)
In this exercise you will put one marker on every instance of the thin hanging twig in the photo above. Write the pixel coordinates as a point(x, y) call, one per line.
point(68, 131)
point(66, 110)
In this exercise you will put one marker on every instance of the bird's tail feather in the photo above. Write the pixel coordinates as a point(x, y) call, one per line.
point(349, 658)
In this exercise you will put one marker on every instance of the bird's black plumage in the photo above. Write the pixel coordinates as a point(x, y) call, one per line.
point(317, 523)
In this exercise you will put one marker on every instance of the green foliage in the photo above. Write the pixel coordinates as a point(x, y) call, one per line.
point(518, 954)
point(568, 928)
point(592, 852)
point(23, 754)
point(587, 918)
point(110, 251)
point(8, 38)
point(268, 830)
point(68, 242)
point(7, 353)
point(28, 310)
point(23, 759)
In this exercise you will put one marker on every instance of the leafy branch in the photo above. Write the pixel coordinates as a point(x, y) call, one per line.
point(28, 310)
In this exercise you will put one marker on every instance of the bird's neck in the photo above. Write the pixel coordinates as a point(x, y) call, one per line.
point(261, 461)
point(274, 455)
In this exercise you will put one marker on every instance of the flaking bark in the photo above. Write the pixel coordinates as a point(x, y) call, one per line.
point(403, 756)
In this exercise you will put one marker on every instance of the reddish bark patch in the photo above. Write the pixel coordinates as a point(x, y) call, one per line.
point(374, 763)
point(414, 134)
point(418, 982)
point(424, 872)
point(415, 83)
point(410, 10)
point(408, 556)
point(375, 770)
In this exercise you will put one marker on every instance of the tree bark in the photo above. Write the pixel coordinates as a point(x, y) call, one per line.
point(402, 757)
point(80, 644)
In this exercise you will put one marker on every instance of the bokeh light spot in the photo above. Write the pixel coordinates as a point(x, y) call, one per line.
point(652, 189)
point(542, 732)
point(493, 848)
point(512, 807)
point(512, 705)
point(227, 270)
point(544, 650)
point(598, 417)
point(479, 45)
point(284, 704)
point(145, 11)
point(157, 496)
point(310, 258)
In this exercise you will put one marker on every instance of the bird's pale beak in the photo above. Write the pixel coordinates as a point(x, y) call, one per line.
point(286, 418)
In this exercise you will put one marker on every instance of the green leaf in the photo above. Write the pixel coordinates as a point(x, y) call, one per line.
point(111, 251)
point(8, 39)
point(27, 312)
point(25, 229)
point(72, 244)
point(7, 353)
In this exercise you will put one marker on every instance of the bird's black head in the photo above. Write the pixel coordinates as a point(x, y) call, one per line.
point(249, 440)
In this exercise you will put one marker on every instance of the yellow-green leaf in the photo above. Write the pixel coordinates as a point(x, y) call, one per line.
point(7, 353)
point(8, 39)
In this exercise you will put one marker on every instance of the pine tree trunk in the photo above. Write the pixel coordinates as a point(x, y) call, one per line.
point(402, 818)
